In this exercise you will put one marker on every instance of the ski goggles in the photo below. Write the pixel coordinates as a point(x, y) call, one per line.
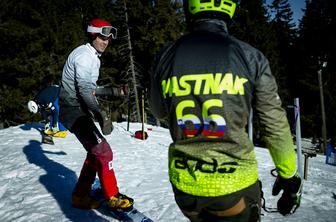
point(107, 31)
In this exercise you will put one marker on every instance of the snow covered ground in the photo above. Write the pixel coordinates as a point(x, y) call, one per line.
point(36, 180)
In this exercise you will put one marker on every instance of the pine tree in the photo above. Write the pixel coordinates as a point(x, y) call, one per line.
point(150, 25)
point(317, 45)
point(284, 27)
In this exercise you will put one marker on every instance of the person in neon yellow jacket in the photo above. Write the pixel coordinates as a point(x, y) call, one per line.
point(204, 85)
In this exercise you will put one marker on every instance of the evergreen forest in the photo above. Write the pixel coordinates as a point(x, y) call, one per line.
point(36, 36)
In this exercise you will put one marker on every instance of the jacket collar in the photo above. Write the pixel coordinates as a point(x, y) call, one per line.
point(209, 25)
point(93, 50)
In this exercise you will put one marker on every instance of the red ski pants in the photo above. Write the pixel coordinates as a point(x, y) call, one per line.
point(98, 160)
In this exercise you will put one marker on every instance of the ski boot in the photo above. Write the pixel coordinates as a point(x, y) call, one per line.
point(48, 132)
point(61, 134)
point(120, 202)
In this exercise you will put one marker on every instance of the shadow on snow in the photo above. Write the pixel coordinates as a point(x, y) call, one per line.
point(59, 181)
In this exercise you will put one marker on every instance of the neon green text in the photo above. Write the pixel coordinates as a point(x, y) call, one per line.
point(203, 84)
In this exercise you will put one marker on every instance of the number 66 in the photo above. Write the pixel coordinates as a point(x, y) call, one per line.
point(211, 125)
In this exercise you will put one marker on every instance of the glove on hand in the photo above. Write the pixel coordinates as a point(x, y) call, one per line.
point(291, 196)
point(121, 91)
point(125, 89)
point(105, 124)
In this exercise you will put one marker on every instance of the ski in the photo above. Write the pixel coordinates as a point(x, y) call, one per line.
point(133, 215)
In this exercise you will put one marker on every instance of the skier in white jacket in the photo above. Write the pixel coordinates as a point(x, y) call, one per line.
point(78, 111)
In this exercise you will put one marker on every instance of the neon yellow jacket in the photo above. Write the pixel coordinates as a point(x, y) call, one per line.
point(204, 85)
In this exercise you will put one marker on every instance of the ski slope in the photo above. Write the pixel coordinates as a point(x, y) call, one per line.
point(36, 180)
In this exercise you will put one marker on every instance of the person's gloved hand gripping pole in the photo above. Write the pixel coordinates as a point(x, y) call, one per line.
point(291, 196)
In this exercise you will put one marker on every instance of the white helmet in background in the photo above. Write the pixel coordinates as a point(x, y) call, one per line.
point(32, 106)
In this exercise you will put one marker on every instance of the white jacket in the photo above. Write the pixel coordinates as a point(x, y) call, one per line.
point(79, 77)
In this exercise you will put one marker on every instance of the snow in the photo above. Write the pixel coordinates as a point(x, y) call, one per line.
point(36, 180)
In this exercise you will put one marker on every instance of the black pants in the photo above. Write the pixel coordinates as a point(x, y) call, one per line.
point(221, 209)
